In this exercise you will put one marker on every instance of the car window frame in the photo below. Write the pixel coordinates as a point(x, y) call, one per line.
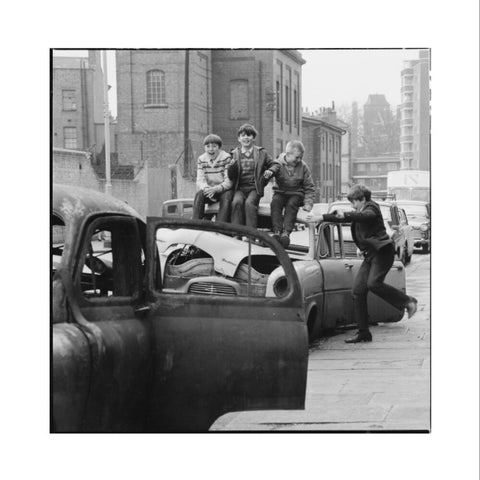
point(152, 291)
point(87, 231)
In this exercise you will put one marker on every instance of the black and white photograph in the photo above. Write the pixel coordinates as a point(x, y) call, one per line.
point(245, 213)
point(224, 243)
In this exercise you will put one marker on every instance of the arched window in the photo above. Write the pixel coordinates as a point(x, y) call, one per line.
point(155, 87)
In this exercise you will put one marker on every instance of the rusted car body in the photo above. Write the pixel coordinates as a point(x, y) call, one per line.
point(129, 355)
point(323, 265)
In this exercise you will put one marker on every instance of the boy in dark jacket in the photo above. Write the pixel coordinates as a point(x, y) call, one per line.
point(370, 236)
point(250, 170)
point(294, 188)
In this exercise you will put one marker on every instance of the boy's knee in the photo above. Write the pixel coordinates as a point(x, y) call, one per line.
point(359, 290)
point(373, 285)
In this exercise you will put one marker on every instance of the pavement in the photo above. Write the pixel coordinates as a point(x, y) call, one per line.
point(379, 386)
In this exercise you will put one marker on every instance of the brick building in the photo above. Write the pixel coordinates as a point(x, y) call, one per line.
point(262, 87)
point(168, 100)
point(380, 127)
point(372, 171)
point(77, 103)
point(322, 137)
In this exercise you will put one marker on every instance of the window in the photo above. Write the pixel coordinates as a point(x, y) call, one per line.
point(155, 87)
point(322, 140)
point(278, 100)
point(330, 172)
point(361, 167)
point(336, 145)
point(373, 167)
point(68, 100)
point(193, 265)
point(70, 137)
point(287, 104)
point(239, 99)
point(329, 144)
point(112, 259)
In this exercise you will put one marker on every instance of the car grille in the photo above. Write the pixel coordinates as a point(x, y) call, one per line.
point(211, 288)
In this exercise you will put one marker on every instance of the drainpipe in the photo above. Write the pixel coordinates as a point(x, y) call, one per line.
point(106, 120)
point(260, 126)
point(186, 159)
point(83, 83)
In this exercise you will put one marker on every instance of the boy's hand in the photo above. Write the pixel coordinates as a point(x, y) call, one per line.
point(309, 216)
point(339, 213)
point(209, 192)
point(268, 174)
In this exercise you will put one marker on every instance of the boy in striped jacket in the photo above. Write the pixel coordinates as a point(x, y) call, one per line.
point(213, 183)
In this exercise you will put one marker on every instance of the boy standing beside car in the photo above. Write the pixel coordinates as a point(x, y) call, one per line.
point(370, 236)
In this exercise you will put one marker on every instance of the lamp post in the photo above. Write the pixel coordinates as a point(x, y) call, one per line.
point(106, 118)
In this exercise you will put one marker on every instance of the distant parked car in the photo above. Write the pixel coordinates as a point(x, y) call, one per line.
point(418, 214)
point(396, 224)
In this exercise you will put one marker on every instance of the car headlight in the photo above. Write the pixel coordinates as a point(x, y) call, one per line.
point(280, 287)
point(424, 227)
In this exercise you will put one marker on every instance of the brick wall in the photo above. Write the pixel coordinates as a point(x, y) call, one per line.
point(73, 167)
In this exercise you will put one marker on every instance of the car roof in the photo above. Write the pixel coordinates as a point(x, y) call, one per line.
point(85, 201)
point(412, 202)
point(386, 203)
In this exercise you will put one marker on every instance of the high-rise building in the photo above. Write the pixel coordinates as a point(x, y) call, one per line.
point(415, 113)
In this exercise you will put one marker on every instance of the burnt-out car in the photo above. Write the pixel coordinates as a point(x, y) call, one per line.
point(132, 354)
point(323, 265)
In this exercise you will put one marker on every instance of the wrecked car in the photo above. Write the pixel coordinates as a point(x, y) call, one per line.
point(137, 348)
point(321, 258)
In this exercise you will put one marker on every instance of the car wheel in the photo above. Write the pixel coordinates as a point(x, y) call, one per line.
point(403, 257)
point(425, 249)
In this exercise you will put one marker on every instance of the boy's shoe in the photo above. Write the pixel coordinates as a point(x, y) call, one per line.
point(276, 236)
point(361, 336)
point(285, 239)
point(411, 307)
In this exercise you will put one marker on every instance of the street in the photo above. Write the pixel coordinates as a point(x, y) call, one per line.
point(379, 386)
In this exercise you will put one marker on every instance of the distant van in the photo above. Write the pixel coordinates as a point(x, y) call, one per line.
point(179, 207)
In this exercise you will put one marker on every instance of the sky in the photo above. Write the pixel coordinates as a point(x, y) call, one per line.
point(345, 76)
point(340, 76)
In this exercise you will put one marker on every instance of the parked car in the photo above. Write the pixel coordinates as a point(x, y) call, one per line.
point(418, 214)
point(207, 262)
point(132, 354)
point(396, 224)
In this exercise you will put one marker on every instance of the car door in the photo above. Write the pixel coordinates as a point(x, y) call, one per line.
point(218, 347)
point(102, 353)
point(338, 274)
